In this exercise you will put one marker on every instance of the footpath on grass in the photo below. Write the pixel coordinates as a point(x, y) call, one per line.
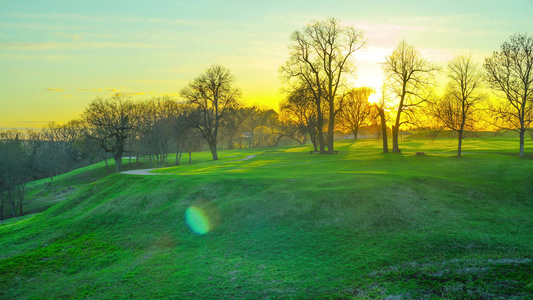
point(143, 172)
point(147, 171)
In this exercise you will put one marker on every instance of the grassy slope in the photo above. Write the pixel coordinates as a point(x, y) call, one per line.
point(292, 225)
point(45, 193)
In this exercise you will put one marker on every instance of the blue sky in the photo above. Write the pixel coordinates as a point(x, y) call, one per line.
point(56, 56)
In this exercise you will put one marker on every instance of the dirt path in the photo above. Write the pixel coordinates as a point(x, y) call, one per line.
point(147, 171)
point(143, 172)
point(247, 157)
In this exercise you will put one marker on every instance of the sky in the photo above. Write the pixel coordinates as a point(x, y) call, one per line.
point(57, 56)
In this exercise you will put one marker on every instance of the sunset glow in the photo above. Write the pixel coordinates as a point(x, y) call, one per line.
point(55, 58)
point(374, 98)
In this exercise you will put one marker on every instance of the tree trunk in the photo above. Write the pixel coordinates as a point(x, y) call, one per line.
point(396, 126)
point(395, 132)
point(105, 160)
point(252, 143)
point(355, 131)
point(22, 190)
point(118, 160)
point(178, 158)
point(384, 130)
point(230, 141)
point(13, 204)
point(320, 126)
point(331, 127)
point(1, 205)
point(460, 142)
point(213, 148)
point(176, 162)
point(522, 133)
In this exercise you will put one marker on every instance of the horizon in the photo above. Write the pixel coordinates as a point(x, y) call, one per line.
point(58, 56)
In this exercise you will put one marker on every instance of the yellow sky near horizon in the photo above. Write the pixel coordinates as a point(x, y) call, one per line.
point(55, 58)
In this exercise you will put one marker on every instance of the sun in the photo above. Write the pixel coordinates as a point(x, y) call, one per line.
point(373, 98)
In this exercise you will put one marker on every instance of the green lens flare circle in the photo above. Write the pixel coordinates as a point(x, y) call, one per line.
point(197, 220)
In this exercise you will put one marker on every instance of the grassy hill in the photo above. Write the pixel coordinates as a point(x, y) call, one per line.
point(285, 224)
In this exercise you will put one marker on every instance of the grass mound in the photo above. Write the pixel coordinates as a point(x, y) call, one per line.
point(288, 224)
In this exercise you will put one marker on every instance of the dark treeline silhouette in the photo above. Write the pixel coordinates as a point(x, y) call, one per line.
point(32, 155)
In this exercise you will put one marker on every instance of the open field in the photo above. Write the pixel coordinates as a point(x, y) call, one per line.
point(285, 224)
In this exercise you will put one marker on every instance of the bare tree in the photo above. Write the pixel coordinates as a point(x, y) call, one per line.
point(234, 126)
point(510, 74)
point(155, 127)
point(98, 140)
point(260, 127)
point(381, 106)
point(356, 110)
point(53, 154)
point(319, 57)
point(112, 119)
point(300, 111)
point(457, 107)
point(409, 76)
point(187, 136)
point(73, 140)
point(35, 142)
point(192, 141)
point(213, 95)
point(13, 171)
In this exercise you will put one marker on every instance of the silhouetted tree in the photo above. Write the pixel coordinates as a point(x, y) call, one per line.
point(34, 143)
point(13, 172)
point(457, 107)
point(212, 95)
point(259, 127)
point(73, 139)
point(112, 119)
point(97, 140)
point(156, 117)
point(319, 57)
point(356, 110)
point(53, 152)
point(234, 126)
point(289, 129)
point(188, 137)
point(409, 76)
point(381, 106)
point(510, 74)
point(300, 111)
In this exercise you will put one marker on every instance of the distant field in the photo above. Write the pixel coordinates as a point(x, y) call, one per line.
point(284, 223)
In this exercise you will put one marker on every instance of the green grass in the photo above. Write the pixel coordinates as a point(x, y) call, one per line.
point(288, 224)
point(43, 194)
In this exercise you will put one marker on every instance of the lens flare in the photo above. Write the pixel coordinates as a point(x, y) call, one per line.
point(197, 221)
point(201, 217)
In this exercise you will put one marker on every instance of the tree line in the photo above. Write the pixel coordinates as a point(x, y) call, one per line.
point(208, 114)
point(319, 101)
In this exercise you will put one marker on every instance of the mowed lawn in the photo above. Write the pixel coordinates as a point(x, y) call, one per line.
point(284, 223)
